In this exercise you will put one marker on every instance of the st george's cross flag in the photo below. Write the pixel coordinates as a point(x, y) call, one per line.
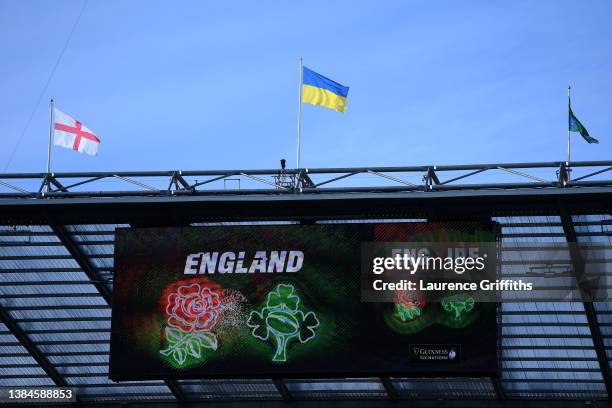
point(71, 134)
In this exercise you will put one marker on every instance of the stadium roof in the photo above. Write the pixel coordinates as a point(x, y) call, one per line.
point(56, 285)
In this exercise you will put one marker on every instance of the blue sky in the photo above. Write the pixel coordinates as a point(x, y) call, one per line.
point(213, 85)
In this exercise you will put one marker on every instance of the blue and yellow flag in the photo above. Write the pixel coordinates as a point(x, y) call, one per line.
point(319, 90)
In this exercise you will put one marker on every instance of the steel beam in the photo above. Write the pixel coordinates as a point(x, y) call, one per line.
point(499, 388)
point(12, 198)
point(389, 388)
point(185, 209)
point(57, 184)
point(81, 259)
point(578, 265)
point(282, 389)
point(431, 178)
point(31, 348)
point(91, 272)
point(306, 180)
point(176, 390)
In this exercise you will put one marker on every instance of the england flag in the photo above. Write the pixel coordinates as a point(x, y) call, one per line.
point(71, 134)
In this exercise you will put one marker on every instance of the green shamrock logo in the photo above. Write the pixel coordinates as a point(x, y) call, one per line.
point(281, 320)
point(458, 305)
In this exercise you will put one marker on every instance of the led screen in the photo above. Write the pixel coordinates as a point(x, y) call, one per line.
point(284, 301)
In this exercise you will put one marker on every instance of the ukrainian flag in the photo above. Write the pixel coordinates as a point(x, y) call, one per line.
point(319, 90)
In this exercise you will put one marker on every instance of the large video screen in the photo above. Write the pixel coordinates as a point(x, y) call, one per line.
point(285, 301)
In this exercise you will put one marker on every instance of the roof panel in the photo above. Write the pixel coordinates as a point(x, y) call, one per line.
point(230, 389)
point(17, 368)
point(336, 388)
point(445, 388)
point(552, 337)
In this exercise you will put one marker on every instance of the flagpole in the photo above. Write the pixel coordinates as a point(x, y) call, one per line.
point(299, 121)
point(569, 87)
point(49, 147)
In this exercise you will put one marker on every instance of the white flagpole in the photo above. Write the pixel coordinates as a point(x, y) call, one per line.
point(569, 87)
point(49, 147)
point(299, 121)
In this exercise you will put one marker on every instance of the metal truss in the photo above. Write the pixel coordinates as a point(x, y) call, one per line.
point(389, 388)
point(299, 181)
point(578, 266)
point(499, 388)
point(31, 348)
point(282, 389)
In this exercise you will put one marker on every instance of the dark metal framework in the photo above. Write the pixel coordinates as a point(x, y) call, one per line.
point(558, 208)
point(578, 265)
point(23, 338)
point(300, 181)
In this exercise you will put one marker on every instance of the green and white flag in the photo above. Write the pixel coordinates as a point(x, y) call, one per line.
point(576, 126)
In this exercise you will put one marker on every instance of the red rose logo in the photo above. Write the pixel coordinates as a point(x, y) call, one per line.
point(193, 308)
point(191, 313)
